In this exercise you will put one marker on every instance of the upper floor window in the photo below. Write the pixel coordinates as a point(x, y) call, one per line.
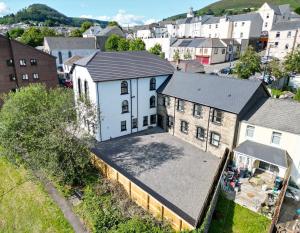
point(276, 138)
point(180, 105)
point(124, 87)
point(217, 25)
point(289, 34)
point(250, 131)
point(166, 100)
point(70, 54)
point(125, 107)
point(152, 102)
point(200, 133)
point(22, 62)
point(134, 123)
point(10, 62)
point(79, 86)
point(235, 24)
point(35, 76)
point(12, 77)
point(86, 89)
point(266, 24)
point(184, 127)
point(205, 51)
point(215, 139)
point(60, 58)
point(241, 35)
point(197, 110)
point(25, 77)
point(145, 121)
point(152, 84)
point(216, 51)
point(217, 116)
point(268, 16)
point(33, 62)
point(209, 26)
point(243, 23)
point(223, 51)
point(277, 34)
point(276, 44)
point(286, 46)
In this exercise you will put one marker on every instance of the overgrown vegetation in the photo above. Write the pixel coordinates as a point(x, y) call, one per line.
point(117, 43)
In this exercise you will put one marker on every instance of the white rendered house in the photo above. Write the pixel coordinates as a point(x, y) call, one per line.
point(123, 87)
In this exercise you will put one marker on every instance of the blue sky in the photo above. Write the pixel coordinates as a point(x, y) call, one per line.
point(124, 11)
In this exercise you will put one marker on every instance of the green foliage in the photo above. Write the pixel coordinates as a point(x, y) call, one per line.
point(156, 49)
point(276, 93)
point(33, 123)
point(291, 62)
point(297, 96)
point(123, 44)
point(86, 25)
point(137, 45)
point(112, 43)
point(76, 33)
point(187, 55)
point(297, 10)
point(248, 64)
point(113, 23)
point(35, 36)
point(176, 55)
point(15, 32)
point(276, 69)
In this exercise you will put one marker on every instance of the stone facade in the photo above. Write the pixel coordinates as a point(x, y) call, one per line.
point(225, 130)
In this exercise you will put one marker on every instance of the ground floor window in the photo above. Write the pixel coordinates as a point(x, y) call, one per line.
point(200, 133)
point(268, 167)
point(170, 122)
point(153, 119)
point(184, 127)
point(145, 121)
point(134, 123)
point(215, 139)
point(123, 126)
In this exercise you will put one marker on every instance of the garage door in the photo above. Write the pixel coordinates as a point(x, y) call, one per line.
point(203, 60)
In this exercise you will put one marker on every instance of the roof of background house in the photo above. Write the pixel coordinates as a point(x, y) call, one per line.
point(284, 26)
point(275, 8)
point(94, 30)
point(72, 60)
point(263, 152)
point(199, 43)
point(212, 20)
point(108, 31)
point(229, 41)
point(70, 43)
point(191, 66)
point(284, 8)
point(228, 94)
point(245, 17)
point(278, 114)
point(106, 66)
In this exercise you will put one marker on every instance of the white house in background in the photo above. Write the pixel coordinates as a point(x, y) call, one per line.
point(64, 48)
point(92, 31)
point(283, 39)
point(122, 85)
point(68, 64)
point(269, 137)
point(165, 44)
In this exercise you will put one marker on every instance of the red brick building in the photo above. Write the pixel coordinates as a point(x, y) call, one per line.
point(21, 65)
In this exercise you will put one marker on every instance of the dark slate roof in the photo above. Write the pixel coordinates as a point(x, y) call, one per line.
point(94, 30)
point(70, 43)
point(284, 26)
point(199, 43)
point(106, 66)
point(269, 154)
point(275, 8)
point(72, 60)
point(244, 17)
point(228, 94)
point(108, 31)
point(212, 20)
point(278, 114)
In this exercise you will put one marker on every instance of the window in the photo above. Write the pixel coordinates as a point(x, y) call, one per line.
point(217, 25)
point(217, 116)
point(60, 58)
point(209, 26)
point(184, 127)
point(200, 133)
point(243, 23)
point(180, 105)
point(70, 54)
point(170, 121)
point(22, 62)
point(12, 77)
point(152, 84)
point(86, 89)
point(266, 24)
point(216, 51)
point(166, 100)
point(197, 110)
point(289, 34)
point(35, 76)
point(268, 16)
point(33, 62)
point(134, 123)
point(24, 76)
point(205, 51)
point(145, 121)
point(223, 51)
point(10, 62)
point(79, 87)
point(286, 46)
point(250, 131)
point(153, 119)
point(215, 139)
point(123, 126)
point(276, 44)
point(241, 35)
point(152, 102)
point(125, 108)
point(276, 138)
point(235, 24)
point(124, 88)
point(277, 34)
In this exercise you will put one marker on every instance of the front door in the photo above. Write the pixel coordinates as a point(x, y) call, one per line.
point(160, 121)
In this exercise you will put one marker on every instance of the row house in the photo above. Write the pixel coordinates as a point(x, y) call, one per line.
point(21, 65)
point(283, 39)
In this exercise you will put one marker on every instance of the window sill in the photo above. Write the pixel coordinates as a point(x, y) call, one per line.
point(198, 117)
point(201, 139)
point(124, 112)
point(217, 123)
point(216, 146)
point(152, 106)
point(124, 93)
point(184, 132)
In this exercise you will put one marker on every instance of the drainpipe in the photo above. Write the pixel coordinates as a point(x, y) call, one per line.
point(207, 133)
point(174, 119)
point(14, 62)
point(294, 42)
point(131, 116)
point(98, 112)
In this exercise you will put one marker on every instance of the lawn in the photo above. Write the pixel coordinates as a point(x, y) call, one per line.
point(230, 217)
point(24, 205)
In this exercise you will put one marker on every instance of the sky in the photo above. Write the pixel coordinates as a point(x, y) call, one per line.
point(126, 12)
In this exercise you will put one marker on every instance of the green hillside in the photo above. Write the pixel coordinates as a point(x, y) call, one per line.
point(42, 13)
point(236, 7)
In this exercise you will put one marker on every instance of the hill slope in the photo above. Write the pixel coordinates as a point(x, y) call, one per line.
point(236, 6)
point(43, 13)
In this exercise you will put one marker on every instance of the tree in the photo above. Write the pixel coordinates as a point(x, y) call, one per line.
point(34, 36)
point(123, 44)
point(112, 43)
point(248, 64)
point(39, 129)
point(156, 49)
point(85, 26)
point(275, 69)
point(113, 23)
point(291, 62)
point(297, 96)
point(137, 45)
point(176, 56)
point(76, 33)
point(297, 10)
point(15, 33)
point(187, 55)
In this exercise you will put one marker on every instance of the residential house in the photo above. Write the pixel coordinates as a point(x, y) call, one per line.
point(122, 85)
point(21, 65)
point(190, 110)
point(283, 39)
point(92, 31)
point(269, 136)
point(68, 64)
point(164, 42)
point(66, 47)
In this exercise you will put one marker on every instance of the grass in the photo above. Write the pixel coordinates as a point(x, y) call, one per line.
point(27, 207)
point(231, 217)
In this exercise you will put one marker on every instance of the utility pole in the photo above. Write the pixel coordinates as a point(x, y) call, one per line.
point(267, 63)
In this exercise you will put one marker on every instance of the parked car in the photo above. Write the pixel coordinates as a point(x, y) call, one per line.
point(226, 70)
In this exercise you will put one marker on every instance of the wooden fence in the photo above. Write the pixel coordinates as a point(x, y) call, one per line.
point(141, 197)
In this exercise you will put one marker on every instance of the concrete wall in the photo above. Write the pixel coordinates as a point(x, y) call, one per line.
point(165, 44)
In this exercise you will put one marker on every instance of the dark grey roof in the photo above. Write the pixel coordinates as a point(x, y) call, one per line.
point(94, 30)
point(278, 114)
point(284, 26)
point(264, 153)
point(275, 8)
point(245, 17)
point(229, 41)
point(70, 43)
point(199, 43)
point(228, 94)
point(284, 8)
point(108, 31)
point(212, 43)
point(72, 60)
point(212, 20)
point(106, 66)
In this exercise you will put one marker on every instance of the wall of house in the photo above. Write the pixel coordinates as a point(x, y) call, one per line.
point(226, 129)
point(144, 34)
point(289, 142)
point(211, 30)
point(268, 16)
point(165, 44)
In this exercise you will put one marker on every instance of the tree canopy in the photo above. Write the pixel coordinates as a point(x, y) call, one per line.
point(292, 62)
point(117, 43)
point(137, 44)
point(123, 44)
point(112, 43)
point(15, 33)
point(248, 64)
point(35, 36)
point(176, 55)
point(113, 23)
